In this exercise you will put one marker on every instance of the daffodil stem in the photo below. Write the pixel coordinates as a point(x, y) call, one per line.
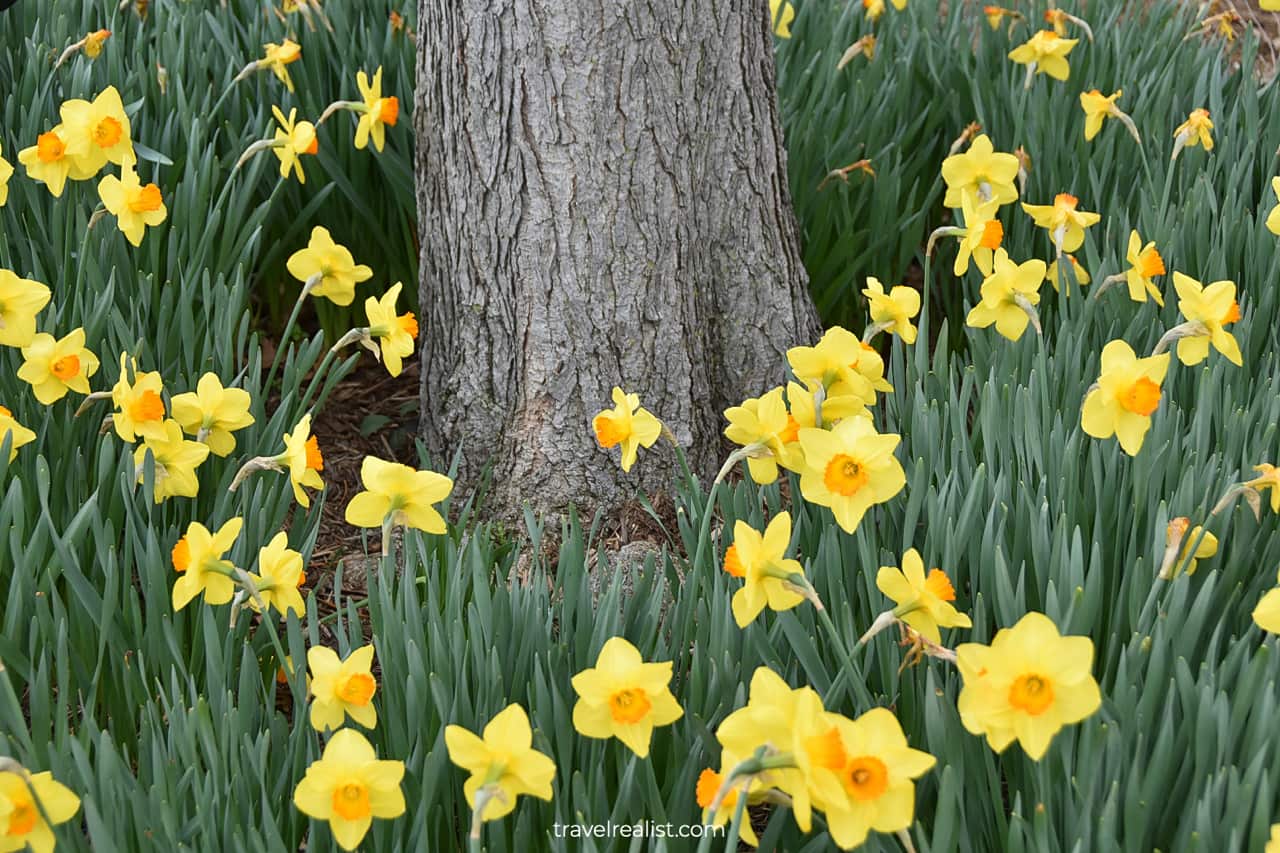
point(1182, 330)
point(483, 796)
point(704, 529)
point(735, 828)
point(849, 667)
point(288, 330)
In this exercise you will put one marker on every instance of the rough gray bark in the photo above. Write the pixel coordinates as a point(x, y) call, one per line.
point(602, 197)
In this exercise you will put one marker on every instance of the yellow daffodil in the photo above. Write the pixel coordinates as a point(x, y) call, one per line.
point(377, 114)
point(1125, 396)
point(983, 234)
point(349, 786)
point(303, 459)
point(876, 777)
point(341, 688)
point(893, 310)
point(923, 601)
point(849, 469)
point(1266, 614)
point(395, 332)
point(14, 432)
point(49, 162)
point(834, 367)
point(1029, 683)
point(980, 174)
point(1196, 130)
point(279, 576)
point(1269, 478)
point(1145, 264)
point(1009, 296)
point(337, 270)
point(277, 58)
point(97, 132)
point(176, 460)
point(765, 424)
point(626, 424)
point(211, 413)
point(503, 758)
point(6, 172)
point(1081, 274)
point(1045, 53)
point(1273, 218)
point(1273, 843)
point(624, 697)
point(53, 367)
point(93, 43)
point(1206, 544)
point(708, 786)
point(397, 494)
point(21, 299)
point(135, 206)
point(1099, 107)
point(197, 556)
point(292, 140)
point(29, 804)
point(1214, 308)
point(1063, 221)
point(140, 407)
point(760, 560)
point(781, 13)
point(873, 9)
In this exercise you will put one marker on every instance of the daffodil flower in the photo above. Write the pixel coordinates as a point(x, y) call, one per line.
point(873, 9)
point(1009, 296)
point(21, 299)
point(922, 601)
point(1098, 108)
point(394, 332)
point(15, 433)
point(1208, 310)
point(996, 16)
point(866, 46)
point(55, 366)
point(91, 44)
point(97, 132)
point(1082, 275)
point(502, 763)
point(327, 268)
point(30, 803)
point(197, 556)
point(1179, 540)
point(892, 311)
point(627, 425)
point(624, 697)
point(176, 460)
point(212, 413)
point(397, 495)
point(771, 579)
point(1266, 615)
point(379, 112)
point(1273, 218)
point(839, 365)
point(349, 786)
point(135, 206)
point(1058, 18)
point(850, 469)
point(1125, 396)
point(781, 14)
point(278, 577)
point(292, 140)
point(764, 426)
point(981, 235)
point(1044, 53)
point(1063, 221)
point(140, 407)
point(49, 162)
point(980, 174)
point(708, 787)
point(1196, 130)
point(276, 58)
point(1145, 264)
point(6, 172)
point(1029, 683)
point(341, 688)
point(301, 459)
point(1269, 478)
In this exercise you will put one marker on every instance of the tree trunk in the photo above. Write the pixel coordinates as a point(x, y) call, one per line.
point(603, 201)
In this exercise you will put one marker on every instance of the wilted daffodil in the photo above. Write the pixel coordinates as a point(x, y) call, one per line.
point(923, 601)
point(628, 425)
point(395, 333)
point(1267, 617)
point(1125, 396)
point(197, 556)
point(21, 299)
point(29, 804)
point(996, 16)
point(1209, 310)
point(301, 459)
point(396, 494)
point(893, 311)
point(1179, 539)
point(279, 576)
point(1082, 275)
point(341, 688)
point(6, 172)
point(876, 774)
point(53, 367)
point(135, 206)
point(1044, 53)
point(503, 764)
point(1196, 130)
point(850, 469)
point(1273, 218)
point(140, 408)
point(1063, 221)
point(349, 786)
point(1099, 107)
point(781, 13)
point(176, 460)
point(765, 425)
point(327, 268)
point(211, 413)
point(16, 433)
point(1058, 18)
point(624, 697)
point(1009, 297)
point(49, 162)
point(761, 561)
point(97, 132)
point(292, 140)
point(980, 174)
point(1029, 683)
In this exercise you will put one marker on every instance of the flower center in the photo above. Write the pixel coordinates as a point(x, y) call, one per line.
point(866, 778)
point(408, 324)
point(22, 819)
point(146, 200)
point(181, 555)
point(1032, 693)
point(940, 585)
point(388, 110)
point(608, 431)
point(147, 407)
point(826, 750)
point(107, 132)
point(709, 782)
point(50, 147)
point(1233, 313)
point(358, 689)
point(629, 706)
point(314, 147)
point(790, 432)
point(845, 475)
point(992, 234)
point(315, 461)
point(1150, 264)
point(351, 801)
point(67, 367)
point(733, 563)
point(1065, 201)
point(1141, 398)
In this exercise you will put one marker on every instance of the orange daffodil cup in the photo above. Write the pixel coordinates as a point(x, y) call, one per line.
point(1126, 395)
point(376, 111)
